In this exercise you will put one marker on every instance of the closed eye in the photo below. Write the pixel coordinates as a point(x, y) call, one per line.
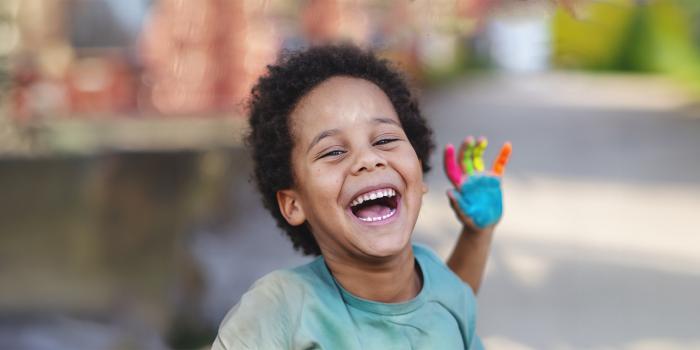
point(333, 153)
point(385, 141)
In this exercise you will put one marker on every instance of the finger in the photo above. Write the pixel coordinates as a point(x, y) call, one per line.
point(499, 166)
point(453, 200)
point(462, 153)
point(479, 153)
point(457, 207)
point(454, 173)
point(466, 155)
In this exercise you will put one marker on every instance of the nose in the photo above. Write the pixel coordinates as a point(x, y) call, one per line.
point(368, 160)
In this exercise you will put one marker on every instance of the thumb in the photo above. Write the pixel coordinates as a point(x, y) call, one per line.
point(458, 209)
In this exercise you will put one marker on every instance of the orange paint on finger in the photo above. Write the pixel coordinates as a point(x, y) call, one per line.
point(500, 165)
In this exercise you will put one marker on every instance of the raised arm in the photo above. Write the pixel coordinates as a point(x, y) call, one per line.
point(477, 201)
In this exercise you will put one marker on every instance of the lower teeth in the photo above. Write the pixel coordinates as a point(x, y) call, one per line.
point(384, 217)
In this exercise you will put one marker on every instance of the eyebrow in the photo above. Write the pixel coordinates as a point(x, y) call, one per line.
point(321, 136)
point(331, 132)
point(386, 121)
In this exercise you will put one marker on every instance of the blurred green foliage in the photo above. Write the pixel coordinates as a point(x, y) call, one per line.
point(631, 36)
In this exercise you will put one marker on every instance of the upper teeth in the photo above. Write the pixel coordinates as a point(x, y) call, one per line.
point(386, 192)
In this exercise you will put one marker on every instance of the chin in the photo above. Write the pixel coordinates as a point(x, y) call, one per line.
point(385, 246)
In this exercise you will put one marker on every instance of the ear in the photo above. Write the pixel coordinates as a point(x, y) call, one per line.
point(425, 188)
point(290, 207)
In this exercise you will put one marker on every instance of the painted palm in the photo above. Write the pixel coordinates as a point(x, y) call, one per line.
point(477, 193)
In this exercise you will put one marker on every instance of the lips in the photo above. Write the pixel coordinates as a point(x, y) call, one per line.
point(376, 204)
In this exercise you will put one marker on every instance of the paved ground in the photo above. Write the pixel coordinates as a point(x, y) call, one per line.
point(599, 247)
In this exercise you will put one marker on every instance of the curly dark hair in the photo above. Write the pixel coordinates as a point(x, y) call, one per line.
point(275, 96)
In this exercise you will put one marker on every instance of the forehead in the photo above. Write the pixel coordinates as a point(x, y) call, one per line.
point(337, 103)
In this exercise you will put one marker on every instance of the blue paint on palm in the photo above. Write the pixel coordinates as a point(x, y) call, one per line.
point(480, 198)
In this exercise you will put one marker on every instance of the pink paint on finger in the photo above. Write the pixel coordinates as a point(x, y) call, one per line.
point(452, 169)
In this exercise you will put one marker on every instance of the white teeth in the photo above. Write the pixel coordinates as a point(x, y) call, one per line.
point(388, 192)
point(383, 217)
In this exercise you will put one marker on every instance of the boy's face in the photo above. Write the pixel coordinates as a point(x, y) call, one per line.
point(349, 147)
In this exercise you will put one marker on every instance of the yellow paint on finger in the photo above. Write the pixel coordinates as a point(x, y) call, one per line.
point(479, 154)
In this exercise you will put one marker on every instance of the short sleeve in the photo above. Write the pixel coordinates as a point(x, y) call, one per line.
point(264, 318)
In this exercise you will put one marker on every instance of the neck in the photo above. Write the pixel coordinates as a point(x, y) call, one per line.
point(391, 280)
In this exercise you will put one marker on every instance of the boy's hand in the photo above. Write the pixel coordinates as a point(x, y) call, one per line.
point(477, 198)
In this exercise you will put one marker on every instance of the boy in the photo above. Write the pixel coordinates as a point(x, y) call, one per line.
point(340, 148)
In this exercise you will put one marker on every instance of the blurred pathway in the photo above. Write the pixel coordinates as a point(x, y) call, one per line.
point(599, 247)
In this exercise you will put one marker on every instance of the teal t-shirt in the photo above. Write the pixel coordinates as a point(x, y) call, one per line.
point(305, 308)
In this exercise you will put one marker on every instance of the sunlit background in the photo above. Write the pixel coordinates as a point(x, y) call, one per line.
point(127, 219)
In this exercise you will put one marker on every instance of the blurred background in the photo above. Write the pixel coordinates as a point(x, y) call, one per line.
point(127, 219)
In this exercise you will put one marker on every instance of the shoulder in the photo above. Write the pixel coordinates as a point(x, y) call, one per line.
point(423, 251)
point(432, 264)
point(449, 291)
point(439, 273)
point(266, 314)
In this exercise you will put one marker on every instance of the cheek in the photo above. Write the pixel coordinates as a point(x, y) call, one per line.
point(326, 183)
point(411, 167)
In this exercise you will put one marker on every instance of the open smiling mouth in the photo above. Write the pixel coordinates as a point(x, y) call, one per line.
point(377, 205)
